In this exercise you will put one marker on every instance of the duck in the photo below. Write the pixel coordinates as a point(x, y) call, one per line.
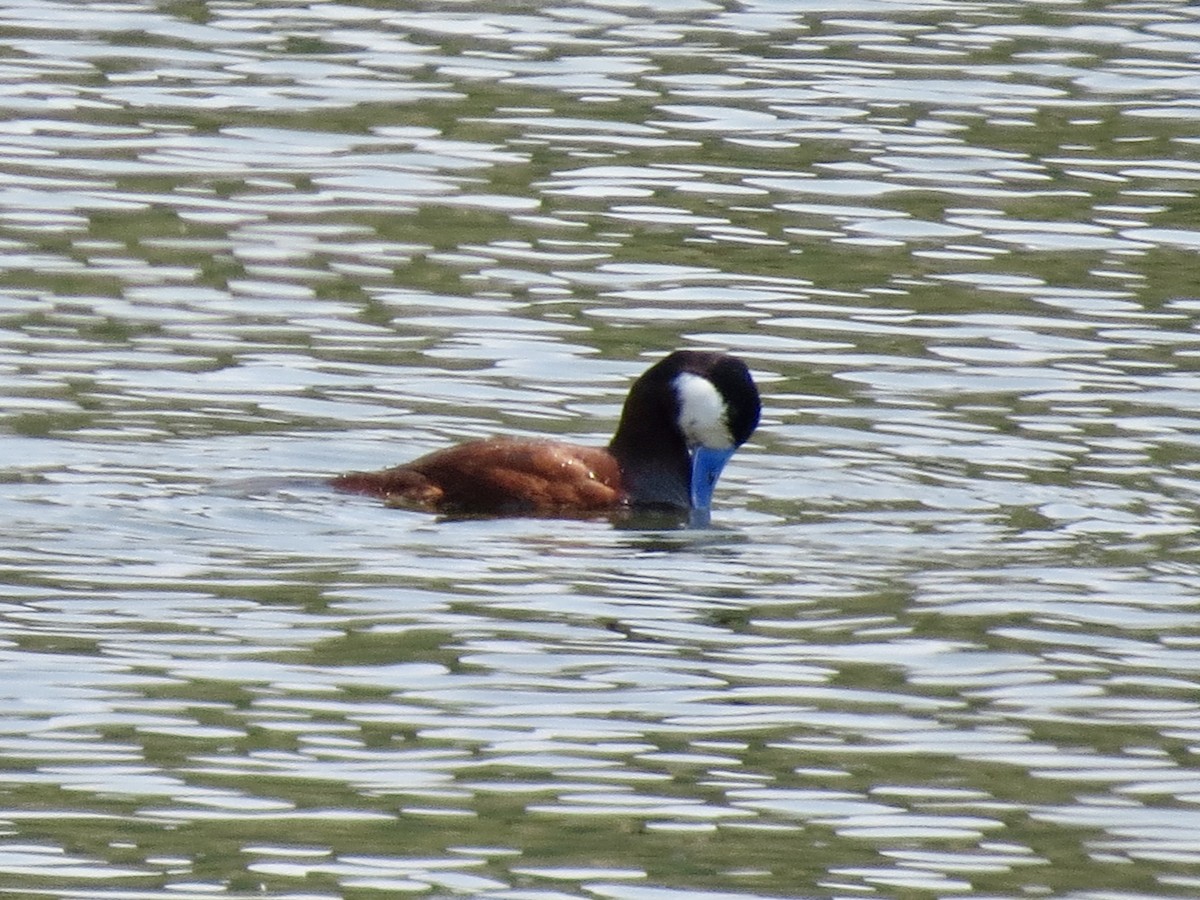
point(682, 421)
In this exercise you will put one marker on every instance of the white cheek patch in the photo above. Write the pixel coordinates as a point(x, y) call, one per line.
point(701, 412)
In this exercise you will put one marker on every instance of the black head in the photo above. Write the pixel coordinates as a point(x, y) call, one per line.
point(739, 406)
point(682, 421)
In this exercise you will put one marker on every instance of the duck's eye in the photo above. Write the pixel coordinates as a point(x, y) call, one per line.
point(702, 412)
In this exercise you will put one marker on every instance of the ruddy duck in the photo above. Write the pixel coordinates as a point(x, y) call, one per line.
point(682, 421)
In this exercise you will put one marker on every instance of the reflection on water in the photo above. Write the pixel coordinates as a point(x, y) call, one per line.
point(941, 637)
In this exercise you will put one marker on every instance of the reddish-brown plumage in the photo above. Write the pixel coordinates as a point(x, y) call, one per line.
point(499, 475)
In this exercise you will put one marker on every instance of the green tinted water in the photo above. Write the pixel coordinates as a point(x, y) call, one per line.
point(942, 641)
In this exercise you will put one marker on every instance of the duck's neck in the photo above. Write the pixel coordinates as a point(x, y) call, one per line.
point(656, 469)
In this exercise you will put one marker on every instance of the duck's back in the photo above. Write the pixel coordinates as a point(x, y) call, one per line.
point(499, 475)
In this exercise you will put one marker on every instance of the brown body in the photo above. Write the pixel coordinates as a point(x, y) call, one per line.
point(499, 475)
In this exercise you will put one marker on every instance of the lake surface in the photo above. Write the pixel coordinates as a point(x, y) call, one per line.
point(943, 638)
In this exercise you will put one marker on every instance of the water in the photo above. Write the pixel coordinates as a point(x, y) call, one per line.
point(942, 638)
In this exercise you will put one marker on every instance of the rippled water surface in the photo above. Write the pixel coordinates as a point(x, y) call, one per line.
point(942, 640)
